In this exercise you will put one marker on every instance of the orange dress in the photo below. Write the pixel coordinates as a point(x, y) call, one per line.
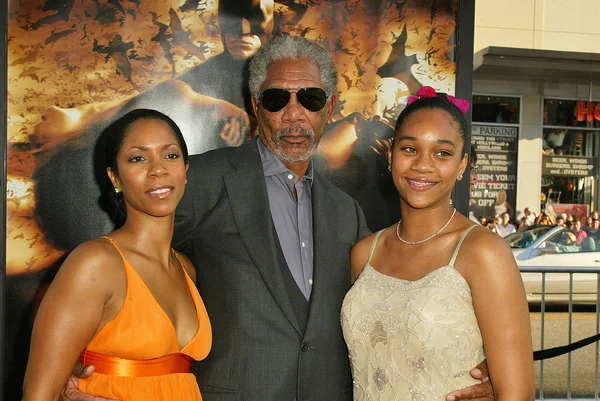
point(143, 331)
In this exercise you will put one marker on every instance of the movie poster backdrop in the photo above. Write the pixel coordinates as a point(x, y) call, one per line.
point(75, 66)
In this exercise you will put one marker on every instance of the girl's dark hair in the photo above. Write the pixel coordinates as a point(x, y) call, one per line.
point(115, 136)
point(440, 102)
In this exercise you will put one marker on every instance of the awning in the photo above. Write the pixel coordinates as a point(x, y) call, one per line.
point(533, 63)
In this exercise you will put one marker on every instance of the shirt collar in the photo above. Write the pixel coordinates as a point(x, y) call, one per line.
point(273, 166)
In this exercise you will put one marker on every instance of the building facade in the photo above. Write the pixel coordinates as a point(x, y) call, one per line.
point(536, 106)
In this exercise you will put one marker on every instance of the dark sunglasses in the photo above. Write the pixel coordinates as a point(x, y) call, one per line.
point(275, 99)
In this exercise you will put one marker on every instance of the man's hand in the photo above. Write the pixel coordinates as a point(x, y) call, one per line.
point(477, 392)
point(70, 391)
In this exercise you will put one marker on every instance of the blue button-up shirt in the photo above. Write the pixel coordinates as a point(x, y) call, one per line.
point(292, 215)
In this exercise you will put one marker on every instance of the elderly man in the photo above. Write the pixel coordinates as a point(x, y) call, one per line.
point(271, 239)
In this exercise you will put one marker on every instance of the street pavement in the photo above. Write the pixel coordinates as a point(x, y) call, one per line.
point(583, 361)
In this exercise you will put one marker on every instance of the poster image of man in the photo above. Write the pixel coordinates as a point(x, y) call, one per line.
point(244, 27)
point(74, 66)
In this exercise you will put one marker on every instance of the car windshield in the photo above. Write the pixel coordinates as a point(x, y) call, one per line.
point(524, 238)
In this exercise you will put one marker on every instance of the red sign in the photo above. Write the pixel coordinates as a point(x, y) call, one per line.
point(588, 111)
point(578, 211)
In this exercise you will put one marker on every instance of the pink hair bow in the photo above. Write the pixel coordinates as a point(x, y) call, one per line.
point(428, 91)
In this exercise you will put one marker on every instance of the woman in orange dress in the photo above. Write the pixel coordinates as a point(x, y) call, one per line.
point(126, 302)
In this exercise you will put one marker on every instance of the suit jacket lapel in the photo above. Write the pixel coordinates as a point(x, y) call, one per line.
point(250, 207)
point(325, 240)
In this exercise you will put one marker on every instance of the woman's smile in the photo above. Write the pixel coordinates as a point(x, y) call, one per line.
point(161, 192)
point(420, 185)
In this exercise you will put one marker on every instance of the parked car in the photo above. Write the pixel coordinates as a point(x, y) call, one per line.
point(553, 247)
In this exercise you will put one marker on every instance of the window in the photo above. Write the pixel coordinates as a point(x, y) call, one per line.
point(496, 109)
point(571, 113)
point(569, 143)
point(564, 141)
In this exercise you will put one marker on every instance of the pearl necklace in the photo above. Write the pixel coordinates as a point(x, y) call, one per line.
point(426, 239)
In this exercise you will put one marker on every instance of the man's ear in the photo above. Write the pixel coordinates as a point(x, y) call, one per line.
point(254, 105)
point(331, 106)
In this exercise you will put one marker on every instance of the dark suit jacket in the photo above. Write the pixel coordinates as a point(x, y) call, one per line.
point(269, 343)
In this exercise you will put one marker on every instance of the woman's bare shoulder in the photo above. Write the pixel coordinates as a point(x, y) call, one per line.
point(484, 239)
point(96, 257)
point(360, 253)
point(96, 250)
point(362, 248)
point(485, 250)
point(364, 244)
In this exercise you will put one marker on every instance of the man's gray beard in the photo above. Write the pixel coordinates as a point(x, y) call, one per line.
point(285, 158)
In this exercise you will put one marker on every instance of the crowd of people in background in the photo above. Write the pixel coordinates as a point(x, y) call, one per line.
point(582, 227)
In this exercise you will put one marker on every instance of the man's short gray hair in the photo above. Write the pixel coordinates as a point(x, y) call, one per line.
point(291, 47)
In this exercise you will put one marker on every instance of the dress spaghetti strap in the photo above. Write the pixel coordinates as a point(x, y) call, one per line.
point(462, 238)
point(178, 260)
point(185, 272)
point(113, 243)
point(373, 245)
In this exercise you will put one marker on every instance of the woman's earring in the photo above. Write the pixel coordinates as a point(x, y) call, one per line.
point(460, 176)
point(389, 167)
point(450, 201)
point(117, 190)
point(186, 180)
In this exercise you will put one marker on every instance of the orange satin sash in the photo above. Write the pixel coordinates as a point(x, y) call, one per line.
point(113, 366)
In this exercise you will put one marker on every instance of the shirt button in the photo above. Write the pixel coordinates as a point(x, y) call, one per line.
point(303, 245)
point(310, 281)
point(290, 176)
point(305, 347)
